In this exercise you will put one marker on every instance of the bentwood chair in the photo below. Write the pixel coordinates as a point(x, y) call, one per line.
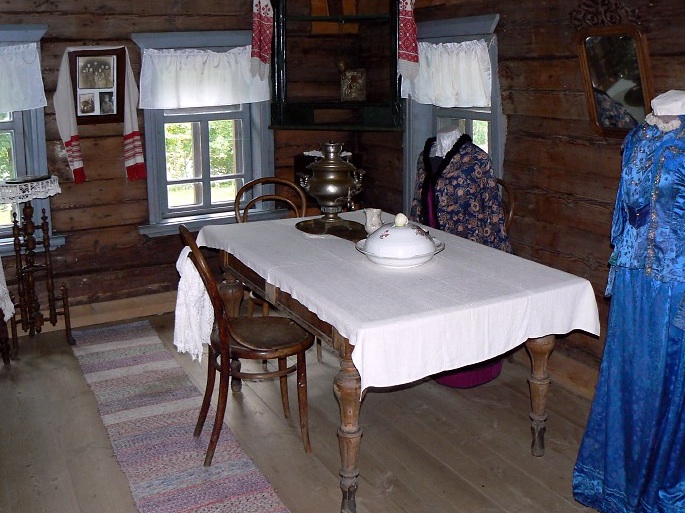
point(296, 203)
point(293, 198)
point(248, 338)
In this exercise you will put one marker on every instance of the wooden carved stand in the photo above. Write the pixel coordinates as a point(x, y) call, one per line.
point(28, 270)
point(32, 266)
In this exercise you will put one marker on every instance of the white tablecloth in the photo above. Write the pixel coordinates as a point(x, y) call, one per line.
point(468, 304)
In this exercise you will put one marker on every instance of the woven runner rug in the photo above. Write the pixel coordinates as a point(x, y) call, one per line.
point(149, 407)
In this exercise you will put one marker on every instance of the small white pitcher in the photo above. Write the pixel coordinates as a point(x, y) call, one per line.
point(373, 219)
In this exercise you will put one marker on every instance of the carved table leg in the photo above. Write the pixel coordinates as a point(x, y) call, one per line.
point(231, 291)
point(539, 350)
point(347, 388)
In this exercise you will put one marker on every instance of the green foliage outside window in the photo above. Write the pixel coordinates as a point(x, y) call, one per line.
point(6, 156)
point(182, 143)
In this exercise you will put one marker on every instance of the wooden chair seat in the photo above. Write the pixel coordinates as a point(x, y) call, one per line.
point(274, 336)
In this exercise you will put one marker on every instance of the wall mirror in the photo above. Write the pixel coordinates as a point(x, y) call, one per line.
point(616, 72)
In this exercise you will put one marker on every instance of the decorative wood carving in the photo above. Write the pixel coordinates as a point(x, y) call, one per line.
point(597, 13)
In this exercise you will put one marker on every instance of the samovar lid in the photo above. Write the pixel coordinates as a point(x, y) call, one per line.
point(331, 161)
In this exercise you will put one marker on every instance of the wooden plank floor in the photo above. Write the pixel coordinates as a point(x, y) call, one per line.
point(425, 449)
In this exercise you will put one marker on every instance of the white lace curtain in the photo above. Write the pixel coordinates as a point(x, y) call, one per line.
point(452, 75)
point(21, 83)
point(176, 79)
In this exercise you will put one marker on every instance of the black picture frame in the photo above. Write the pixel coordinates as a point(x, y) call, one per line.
point(98, 79)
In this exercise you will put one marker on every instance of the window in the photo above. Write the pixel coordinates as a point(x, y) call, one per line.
point(198, 157)
point(12, 163)
point(206, 155)
point(22, 144)
point(468, 122)
point(486, 126)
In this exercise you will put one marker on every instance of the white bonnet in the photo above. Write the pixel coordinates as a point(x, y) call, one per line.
point(670, 103)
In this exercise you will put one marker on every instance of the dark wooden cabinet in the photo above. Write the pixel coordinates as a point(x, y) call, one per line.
point(335, 65)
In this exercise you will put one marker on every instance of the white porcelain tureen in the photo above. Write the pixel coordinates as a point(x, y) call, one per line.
point(400, 244)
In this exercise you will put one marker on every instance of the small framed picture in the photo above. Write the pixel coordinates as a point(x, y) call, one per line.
point(353, 85)
point(97, 77)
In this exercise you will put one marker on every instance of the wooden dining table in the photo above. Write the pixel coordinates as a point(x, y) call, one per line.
point(393, 326)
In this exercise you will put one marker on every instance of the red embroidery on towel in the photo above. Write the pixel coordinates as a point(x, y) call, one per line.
point(262, 30)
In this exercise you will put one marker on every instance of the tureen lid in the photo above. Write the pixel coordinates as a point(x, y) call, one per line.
point(400, 239)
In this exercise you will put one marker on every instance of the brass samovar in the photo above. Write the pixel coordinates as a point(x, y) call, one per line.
point(333, 182)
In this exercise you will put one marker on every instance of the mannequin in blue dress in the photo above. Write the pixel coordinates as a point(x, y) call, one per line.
point(632, 456)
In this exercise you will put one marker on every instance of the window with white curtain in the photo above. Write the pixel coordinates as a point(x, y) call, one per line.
point(206, 125)
point(23, 147)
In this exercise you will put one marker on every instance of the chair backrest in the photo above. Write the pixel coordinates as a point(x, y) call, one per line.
point(298, 207)
point(508, 201)
point(206, 274)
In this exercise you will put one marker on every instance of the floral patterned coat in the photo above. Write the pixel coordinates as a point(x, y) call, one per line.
point(466, 199)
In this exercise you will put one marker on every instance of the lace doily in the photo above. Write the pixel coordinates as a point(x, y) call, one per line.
point(27, 191)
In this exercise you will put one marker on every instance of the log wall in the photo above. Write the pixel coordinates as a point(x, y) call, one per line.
point(563, 174)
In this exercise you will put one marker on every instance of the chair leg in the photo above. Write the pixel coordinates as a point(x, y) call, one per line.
point(265, 313)
point(319, 353)
point(219, 419)
point(236, 383)
point(302, 400)
point(67, 316)
point(209, 390)
point(282, 365)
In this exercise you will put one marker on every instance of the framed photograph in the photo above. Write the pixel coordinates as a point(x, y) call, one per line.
point(97, 77)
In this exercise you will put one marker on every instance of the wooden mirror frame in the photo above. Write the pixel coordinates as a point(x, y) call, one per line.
point(644, 69)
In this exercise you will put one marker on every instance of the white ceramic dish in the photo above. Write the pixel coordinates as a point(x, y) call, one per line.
point(404, 261)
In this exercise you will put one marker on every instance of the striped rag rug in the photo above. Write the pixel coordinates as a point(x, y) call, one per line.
point(149, 407)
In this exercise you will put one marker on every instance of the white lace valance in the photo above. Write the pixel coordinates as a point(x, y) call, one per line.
point(29, 190)
point(452, 75)
point(21, 83)
point(177, 79)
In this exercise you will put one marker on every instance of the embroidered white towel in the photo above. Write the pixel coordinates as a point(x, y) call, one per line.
point(408, 50)
point(65, 114)
point(262, 34)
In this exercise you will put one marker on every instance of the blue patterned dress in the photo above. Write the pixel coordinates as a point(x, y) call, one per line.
point(632, 456)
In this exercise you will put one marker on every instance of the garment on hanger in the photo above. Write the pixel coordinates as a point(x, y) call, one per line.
point(632, 455)
point(458, 193)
